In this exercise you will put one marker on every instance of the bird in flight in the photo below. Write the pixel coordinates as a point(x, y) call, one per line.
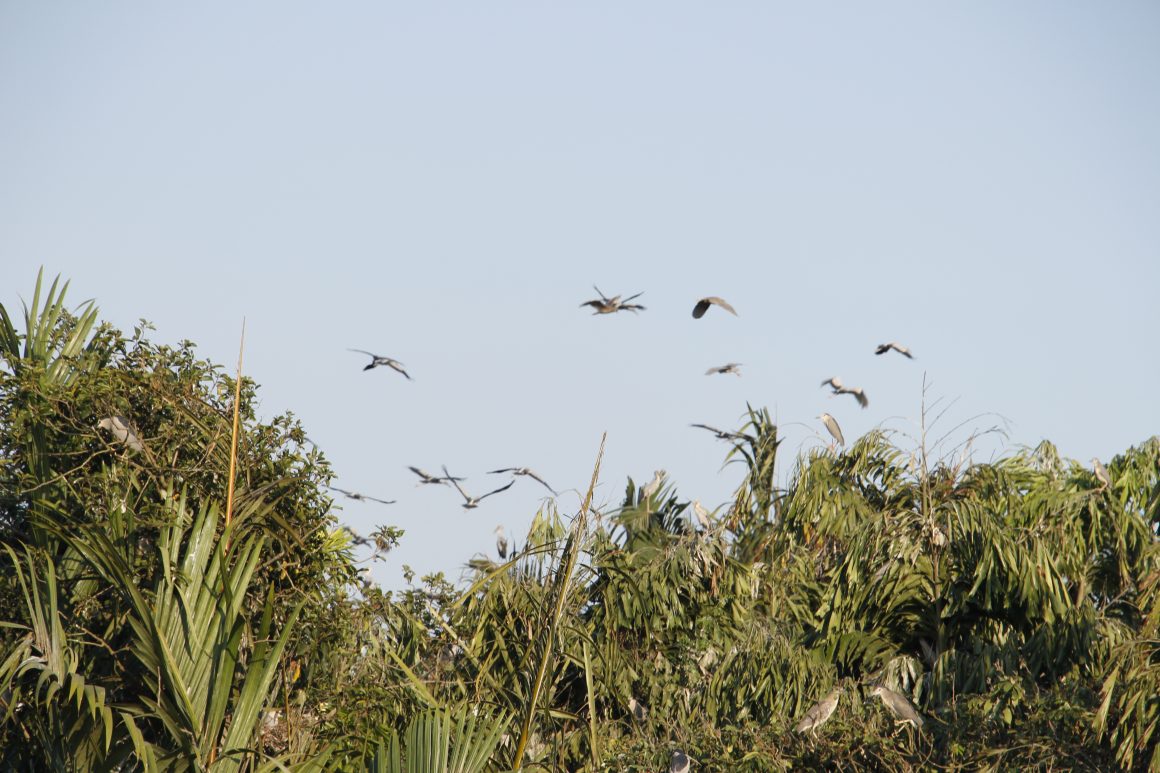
point(833, 428)
point(426, 477)
point(528, 472)
point(606, 305)
point(123, 431)
point(819, 713)
point(361, 497)
point(732, 367)
point(711, 300)
point(470, 502)
point(1101, 473)
point(723, 434)
point(884, 348)
point(377, 360)
point(839, 388)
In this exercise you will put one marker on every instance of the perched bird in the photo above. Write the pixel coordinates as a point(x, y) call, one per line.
point(606, 305)
point(653, 485)
point(898, 704)
point(819, 712)
point(680, 763)
point(833, 428)
point(377, 360)
point(711, 300)
point(528, 472)
point(701, 514)
point(360, 497)
point(1101, 473)
point(470, 502)
point(733, 367)
point(426, 477)
point(723, 434)
point(501, 543)
point(123, 431)
point(884, 348)
point(638, 710)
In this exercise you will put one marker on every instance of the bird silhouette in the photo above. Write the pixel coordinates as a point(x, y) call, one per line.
point(606, 305)
point(426, 477)
point(884, 348)
point(711, 300)
point(470, 502)
point(377, 360)
point(360, 497)
point(732, 367)
point(526, 472)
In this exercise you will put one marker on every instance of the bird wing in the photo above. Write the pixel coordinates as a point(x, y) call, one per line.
point(364, 351)
point(882, 349)
point(381, 501)
point(631, 297)
point(421, 474)
point(398, 366)
point(722, 303)
point(488, 494)
point(541, 481)
point(861, 397)
point(714, 430)
point(701, 307)
point(505, 469)
point(455, 482)
point(341, 491)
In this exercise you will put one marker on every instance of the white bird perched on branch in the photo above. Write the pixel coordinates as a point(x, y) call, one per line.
point(833, 428)
point(819, 712)
point(884, 348)
point(701, 514)
point(123, 431)
point(501, 543)
point(899, 706)
point(653, 485)
point(711, 300)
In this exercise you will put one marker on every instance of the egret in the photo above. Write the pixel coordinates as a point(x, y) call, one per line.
point(701, 514)
point(377, 360)
point(884, 348)
point(501, 543)
point(470, 502)
point(711, 300)
point(732, 367)
point(528, 472)
point(123, 431)
point(819, 712)
point(360, 497)
point(833, 428)
point(653, 485)
point(899, 706)
point(1101, 473)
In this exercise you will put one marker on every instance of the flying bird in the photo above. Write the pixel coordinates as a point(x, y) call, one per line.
point(377, 360)
point(733, 367)
point(360, 497)
point(857, 392)
point(123, 431)
point(884, 348)
point(501, 543)
point(679, 763)
point(470, 502)
point(426, 477)
point(1101, 473)
point(833, 428)
point(723, 434)
point(606, 305)
point(711, 300)
point(528, 472)
point(899, 706)
point(833, 383)
point(819, 713)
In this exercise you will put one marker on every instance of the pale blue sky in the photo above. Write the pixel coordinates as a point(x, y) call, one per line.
point(443, 183)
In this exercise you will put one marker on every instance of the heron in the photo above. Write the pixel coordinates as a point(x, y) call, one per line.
point(711, 300)
point(361, 497)
point(899, 706)
point(701, 514)
point(377, 360)
point(123, 431)
point(501, 543)
point(527, 472)
point(653, 485)
point(819, 712)
point(426, 477)
point(723, 434)
point(833, 428)
point(680, 763)
point(638, 710)
point(1101, 473)
point(884, 348)
point(732, 367)
point(857, 392)
point(470, 502)
point(606, 305)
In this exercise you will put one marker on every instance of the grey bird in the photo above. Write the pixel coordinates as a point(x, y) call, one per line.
point(653, 485)
point(470, 502)
point(884, 348)
point(360, 497)
point(639, 710)
point(732, 367)
point(501, 543)
point(723, 434)
point(701, 514)
point(680, 763)
point(899, 706)
point(819, 712)
point(1101, 473)
point(377, 360)
point(833, 428)
point(711, 300)
point(123, 431)
point(857, 392)
point(527, 472)
point(426, 477)
point(606, 305)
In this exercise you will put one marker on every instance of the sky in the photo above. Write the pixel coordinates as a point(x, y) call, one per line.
point(444, 183)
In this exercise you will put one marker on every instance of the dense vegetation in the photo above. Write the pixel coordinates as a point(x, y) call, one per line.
point(1015, 603)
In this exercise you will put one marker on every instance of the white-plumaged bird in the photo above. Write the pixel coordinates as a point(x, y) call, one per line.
point(832, 427)
point(732, 367)
point(1101, 473)
point(526, 472)
point(680, 763)
point(701, 514)
point(711, 300)
point(377, 360)
point(833, 383)
point(899, 706)
point(123, 431)
point(360, 497)
point(653, 485)
point(606, 305)
point(470, 502)
point(857, 392)
point(884, 348)
point(819, 713)
point(501, 543)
